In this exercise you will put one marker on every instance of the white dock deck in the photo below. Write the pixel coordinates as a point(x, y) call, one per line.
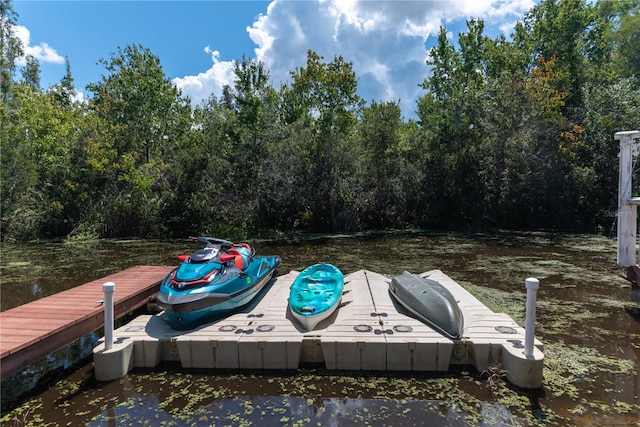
point(369, 331)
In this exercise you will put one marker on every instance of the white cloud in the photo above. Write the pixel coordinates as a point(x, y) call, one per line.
point(212, 81)
point(385, 41)
point(42, 52)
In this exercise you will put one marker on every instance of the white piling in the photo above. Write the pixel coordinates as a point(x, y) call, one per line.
point(530, 320)
point(108, 288)
point(627, 209)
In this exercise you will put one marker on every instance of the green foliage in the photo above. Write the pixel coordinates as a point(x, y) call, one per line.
point(380, 169)
point(324, 97)
point(36, 164)
point(628, 42)
point(512, 132)
point(10, 49)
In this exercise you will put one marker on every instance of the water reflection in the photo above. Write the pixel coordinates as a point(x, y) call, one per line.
point(307, 398)
point(36, 291)
point(277, 411)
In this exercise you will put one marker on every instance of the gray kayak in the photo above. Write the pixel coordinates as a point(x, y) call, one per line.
point(430, 302)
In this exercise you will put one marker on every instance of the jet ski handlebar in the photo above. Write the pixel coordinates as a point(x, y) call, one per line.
point(213, 242)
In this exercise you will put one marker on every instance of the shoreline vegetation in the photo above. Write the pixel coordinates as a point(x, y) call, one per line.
point(511, 132)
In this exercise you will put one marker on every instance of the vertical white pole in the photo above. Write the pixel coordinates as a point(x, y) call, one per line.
point(108, 288)
point(530, 320)
point(627, 213)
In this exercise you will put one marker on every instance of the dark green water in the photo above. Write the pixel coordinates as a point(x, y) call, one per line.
point(585, 318)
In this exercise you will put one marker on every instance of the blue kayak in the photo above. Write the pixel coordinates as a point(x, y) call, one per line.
point(315, 294)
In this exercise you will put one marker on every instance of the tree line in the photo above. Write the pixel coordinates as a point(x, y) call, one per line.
point(511, 132)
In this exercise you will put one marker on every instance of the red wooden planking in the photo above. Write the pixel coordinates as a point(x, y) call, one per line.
point(20, 336)
point(31, 331)
point(62, 303)
point(31, 314)
point(43, 324)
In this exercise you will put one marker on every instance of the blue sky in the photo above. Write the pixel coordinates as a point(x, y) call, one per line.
point(197, 41)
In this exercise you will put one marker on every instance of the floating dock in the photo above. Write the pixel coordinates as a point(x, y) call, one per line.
point(369, 331)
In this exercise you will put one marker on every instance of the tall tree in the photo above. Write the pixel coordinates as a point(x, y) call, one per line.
point(252, 93)
point(150, 117)
point(559, 30)
point(381, 165)
point(11, 48)
point(324, 95)
point(450, 113)
point(31, 73)
point(138, 97)
point(37, 165)
point(628, 42)
point(255, 103)
point(65, 91)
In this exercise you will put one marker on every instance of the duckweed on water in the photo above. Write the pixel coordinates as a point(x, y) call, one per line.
point(499, 301)
point(589, 363)
point(207, 401)
point(568, 366)
point(200, 399)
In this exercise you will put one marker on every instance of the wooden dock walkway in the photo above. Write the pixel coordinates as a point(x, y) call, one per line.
point(37, 329)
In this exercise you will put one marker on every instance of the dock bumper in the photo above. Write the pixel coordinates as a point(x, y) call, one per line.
point(115, 362)
point(522, 371)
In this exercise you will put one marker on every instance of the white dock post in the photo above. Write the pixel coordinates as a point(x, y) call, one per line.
point(108, 289)
point(627, 214)
point(530, 319)
point(627, 210)
point(524, 366)
point(111, 359)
